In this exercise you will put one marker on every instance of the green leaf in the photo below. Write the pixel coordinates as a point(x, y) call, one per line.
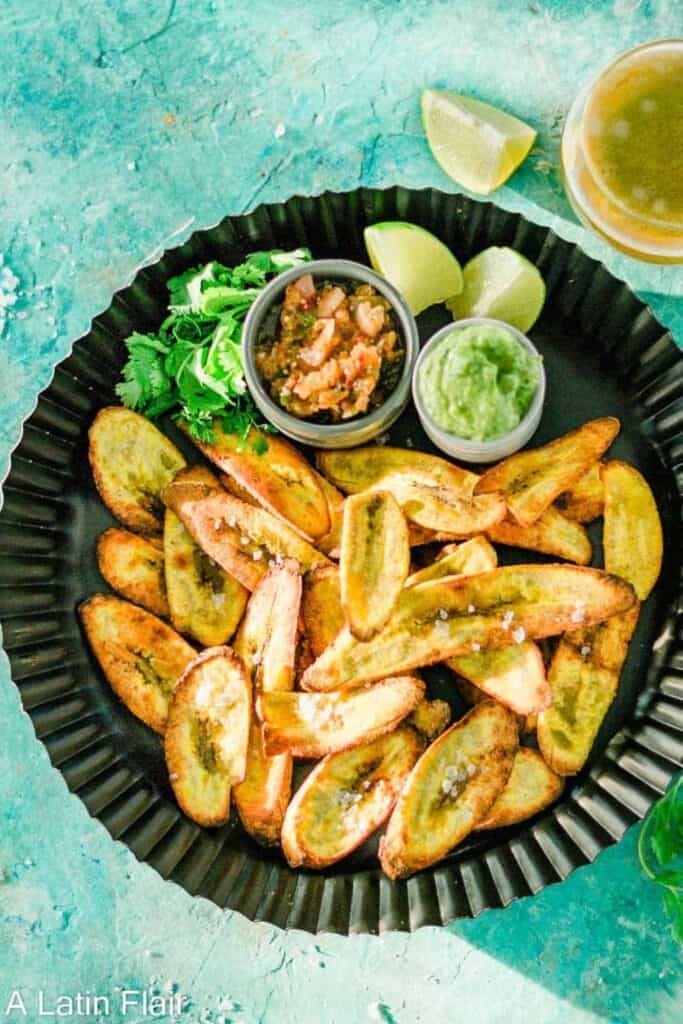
point(660, 849)
point(193, 366)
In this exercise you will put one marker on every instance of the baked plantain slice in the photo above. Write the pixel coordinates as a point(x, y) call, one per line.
point(552, 534)
point(470, 557)
point(439, 620)
point(513, 675)
point(583, 679)
point(450, 790)
point(472, 695)
point(131, 464)
point(274, 473)
point(532, 786)
point(346, 798)
point(206, 602)
point(134, 567)
point(262, 797)
point(266, 642)
point(532, 480)
point(140, 655)
point(585, 500)
point(441, 508)
point(358, 469)
point(430, 718)
point(632, 536)
point(321, 608)
point(330, 544)
point(317, 724)
point(206, 737)
point(374, 562)
point(241, 538)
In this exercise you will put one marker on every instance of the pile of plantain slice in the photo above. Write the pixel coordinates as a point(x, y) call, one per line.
point(272, 611)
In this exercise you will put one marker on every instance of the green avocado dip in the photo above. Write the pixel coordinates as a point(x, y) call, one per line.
point(478, 382)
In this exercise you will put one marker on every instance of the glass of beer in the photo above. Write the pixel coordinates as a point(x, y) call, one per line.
point(622, 152)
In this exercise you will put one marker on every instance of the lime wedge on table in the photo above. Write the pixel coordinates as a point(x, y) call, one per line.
point(478, 145)
point(415, 261)
point(503, 284)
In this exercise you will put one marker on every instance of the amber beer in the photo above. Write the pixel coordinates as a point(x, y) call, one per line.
point(622, 152)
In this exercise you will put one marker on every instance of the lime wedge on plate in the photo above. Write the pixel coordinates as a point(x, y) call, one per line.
point(423, 269)
point(502, 284)
point(478, 145)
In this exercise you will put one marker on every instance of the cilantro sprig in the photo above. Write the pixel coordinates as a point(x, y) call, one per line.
point(660, 849)
point(192, 366)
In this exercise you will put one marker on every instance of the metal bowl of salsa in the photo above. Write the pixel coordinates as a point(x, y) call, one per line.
point(329, 350)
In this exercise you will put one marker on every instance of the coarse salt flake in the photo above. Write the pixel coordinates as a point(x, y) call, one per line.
point(507, 619)
point(476, 647)
point(519, 635)
point(585, 650)
point(443, 614)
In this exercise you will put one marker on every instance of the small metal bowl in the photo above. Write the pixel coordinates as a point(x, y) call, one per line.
point(336, 435)
point(480, 451)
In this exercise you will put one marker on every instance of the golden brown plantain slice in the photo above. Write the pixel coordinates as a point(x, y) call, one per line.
point(419, 536)
point(266, 642)
point(134, 567)
point(583, 678)
point(441, 508)
point(531, 480)
point(241, 538)
point(131, 463)
point(532, 786)
point(375, 559)
point(207, 732)
point(358, 469)
point(262, 798)
point(632, 537)
point(552, 534)
point(470, 557)
point(513, 675)
point(584, 673)
point(317, 724)
point(330, 544)
point(472, 695)
point(463, 614)
point(585, 500)
point(140, 655)
point(346, 798)
point(206, 602)
point(430, 718)
point(450, 790)
point(321, 607)
point(274, 473)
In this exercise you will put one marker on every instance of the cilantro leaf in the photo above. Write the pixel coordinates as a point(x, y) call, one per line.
point(193, 366)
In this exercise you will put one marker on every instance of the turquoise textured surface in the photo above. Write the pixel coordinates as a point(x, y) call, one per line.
point(126, 125)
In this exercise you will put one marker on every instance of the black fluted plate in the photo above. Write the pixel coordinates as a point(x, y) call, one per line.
point(605, 354)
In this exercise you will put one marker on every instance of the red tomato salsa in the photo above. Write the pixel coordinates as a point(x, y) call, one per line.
point(334, 352)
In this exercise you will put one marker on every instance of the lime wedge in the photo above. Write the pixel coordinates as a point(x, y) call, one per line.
point(423, 269)
point(478, 145)
point(503, 284)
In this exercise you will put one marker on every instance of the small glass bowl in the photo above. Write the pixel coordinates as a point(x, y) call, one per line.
point(480, 451)
point(335, 435)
